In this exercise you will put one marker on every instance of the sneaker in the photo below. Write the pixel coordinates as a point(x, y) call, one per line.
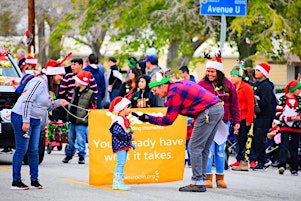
point(67, 159)
point(81, 160)
point(281, 170)
point(253, 164)
point(267, 163)
point(235, 164)
point(19, 185)
point(294, 173)
point(259, 166)
point(275, 163)
point(193, 188)
point(36, 184)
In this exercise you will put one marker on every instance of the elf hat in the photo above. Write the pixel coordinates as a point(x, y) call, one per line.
point(118, 104)
point(31, 60)
point(158, 79)
point(83, 77)
point(292, 86)
point(264, 68)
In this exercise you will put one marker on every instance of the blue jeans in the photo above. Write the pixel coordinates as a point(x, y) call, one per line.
point(78, 133)
point(121, 160)
point(188, 154)
point(23, 145)
point(218, 152)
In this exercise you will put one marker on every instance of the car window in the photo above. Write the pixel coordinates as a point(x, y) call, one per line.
point(9, 71)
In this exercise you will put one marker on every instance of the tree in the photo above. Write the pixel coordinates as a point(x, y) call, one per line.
point(270, 29)
point(176, 25)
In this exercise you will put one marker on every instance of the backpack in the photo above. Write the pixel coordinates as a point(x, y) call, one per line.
point(25, 79)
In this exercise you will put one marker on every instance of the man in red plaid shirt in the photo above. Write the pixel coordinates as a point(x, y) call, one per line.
point(189, 99)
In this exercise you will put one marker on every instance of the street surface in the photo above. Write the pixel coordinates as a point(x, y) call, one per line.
point(71, 182)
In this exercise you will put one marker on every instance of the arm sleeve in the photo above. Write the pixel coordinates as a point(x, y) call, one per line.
point(249, 94)
point(234, 105)
point(34, 90)
point(93, 85)
point(174, 106)
point(102, 84)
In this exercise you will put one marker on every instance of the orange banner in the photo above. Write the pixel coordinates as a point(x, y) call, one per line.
point(159, 155)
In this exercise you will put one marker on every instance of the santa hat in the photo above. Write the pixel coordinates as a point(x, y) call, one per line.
point(118, 104)
point(52, 68)
point(83, 77)
point(31, 60)
point(264, 68)
point(292, 86)
point(215, 62)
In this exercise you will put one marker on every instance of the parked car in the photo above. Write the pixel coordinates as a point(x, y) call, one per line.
point(10, 75)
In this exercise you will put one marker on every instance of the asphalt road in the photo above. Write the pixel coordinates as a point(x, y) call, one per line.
point(71, 182)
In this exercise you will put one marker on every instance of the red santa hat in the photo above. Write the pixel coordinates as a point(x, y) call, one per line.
point(264, 68)
point(118, 104)
point(31, 60)
point(83, 77)
point(52, 67)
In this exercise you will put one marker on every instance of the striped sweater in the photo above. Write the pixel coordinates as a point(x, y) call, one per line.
point(68, 84)
point(285, 110)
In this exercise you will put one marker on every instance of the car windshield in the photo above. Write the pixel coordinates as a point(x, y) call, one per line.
point(9, 71)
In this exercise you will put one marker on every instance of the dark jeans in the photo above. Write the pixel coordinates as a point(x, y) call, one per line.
point(261, 128)
point(290, 145)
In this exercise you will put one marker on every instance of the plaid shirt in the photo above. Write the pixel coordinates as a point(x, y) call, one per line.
point(186, 98)
point(68, 84)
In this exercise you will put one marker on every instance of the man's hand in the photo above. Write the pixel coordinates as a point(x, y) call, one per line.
point(143, 117)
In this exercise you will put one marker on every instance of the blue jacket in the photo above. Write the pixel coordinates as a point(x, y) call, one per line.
point(99, 79)
point(120, 138)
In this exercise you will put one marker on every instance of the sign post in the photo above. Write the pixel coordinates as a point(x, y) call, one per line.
point(223, 8)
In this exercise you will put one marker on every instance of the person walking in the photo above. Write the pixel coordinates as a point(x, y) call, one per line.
point(26, 117)
point(83, 99)
point(215, 82)
point(288, 113)
point(122, 137)
point(189, 99)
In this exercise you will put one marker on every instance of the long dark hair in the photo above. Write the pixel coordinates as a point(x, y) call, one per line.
point(220, 80)
point(51, 86)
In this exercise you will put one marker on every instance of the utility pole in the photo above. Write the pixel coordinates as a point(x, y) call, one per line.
point(31, 26)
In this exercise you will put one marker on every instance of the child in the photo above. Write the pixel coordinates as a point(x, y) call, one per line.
point(122, 136)
point(82, 99)
point(287, 112)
